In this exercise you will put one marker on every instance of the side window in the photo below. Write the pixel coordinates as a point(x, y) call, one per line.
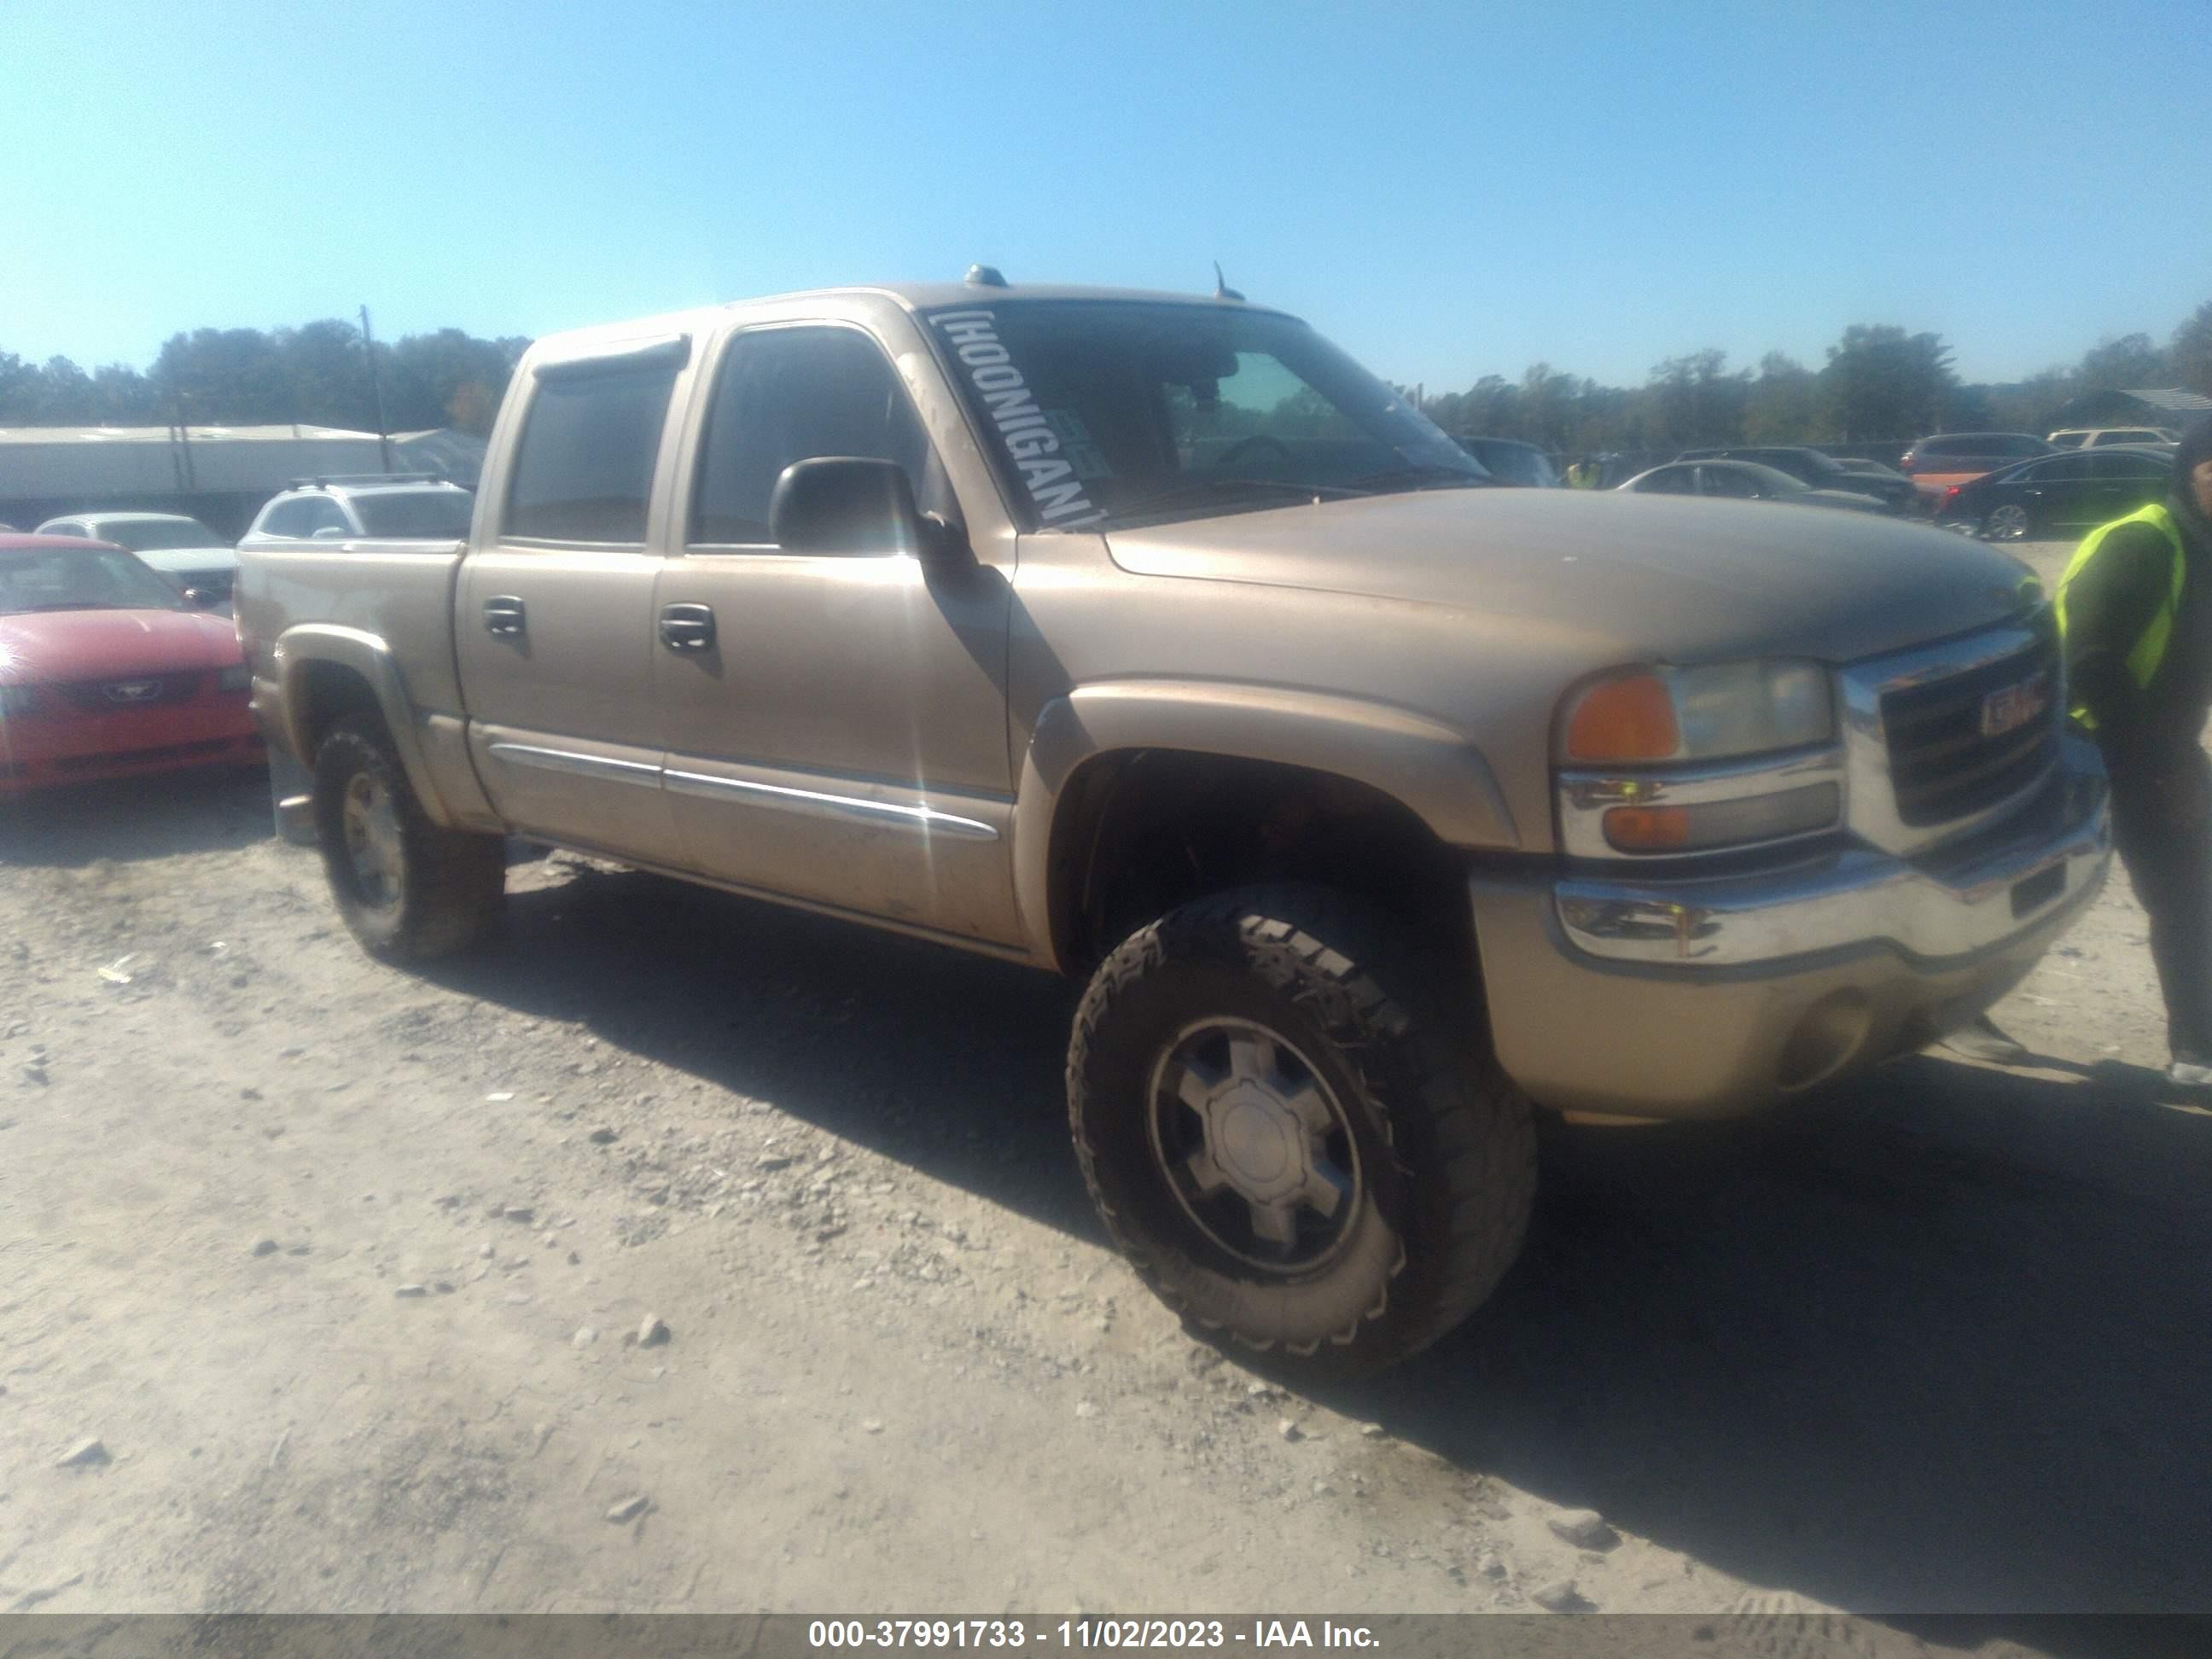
point(786, 395)
point(1671, 481)
point(583, 472)
point(324, 513)
point(2120, 465)
point(1727, 481)
point(2063, 468)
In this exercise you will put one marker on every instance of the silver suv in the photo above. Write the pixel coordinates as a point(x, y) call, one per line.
point(384, 507)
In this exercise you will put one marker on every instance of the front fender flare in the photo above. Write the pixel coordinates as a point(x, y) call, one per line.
point(299, 648)
point(1424, 765)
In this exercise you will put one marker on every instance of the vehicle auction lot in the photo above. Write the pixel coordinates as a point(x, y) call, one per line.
point(1934, 1341)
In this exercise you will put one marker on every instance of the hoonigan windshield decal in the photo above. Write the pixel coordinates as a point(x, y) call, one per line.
point(1053, 481)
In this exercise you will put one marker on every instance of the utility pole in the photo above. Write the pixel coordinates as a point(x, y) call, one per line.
point(376, 386)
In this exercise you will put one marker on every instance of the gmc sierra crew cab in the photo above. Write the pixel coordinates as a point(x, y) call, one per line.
point(1152, 641)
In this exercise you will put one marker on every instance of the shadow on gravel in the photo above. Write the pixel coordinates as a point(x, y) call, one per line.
point(219, 810)
point(948, 1062)
point(1935, 1341)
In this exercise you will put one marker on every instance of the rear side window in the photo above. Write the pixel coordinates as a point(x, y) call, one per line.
point(788, 395)
point(2059, 469)
point(2118, 465)
point(2021, 446)
point(303, 516)
point(584, 469)
point(425, 515)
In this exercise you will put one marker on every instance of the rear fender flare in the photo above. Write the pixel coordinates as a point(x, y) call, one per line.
point(299, 648)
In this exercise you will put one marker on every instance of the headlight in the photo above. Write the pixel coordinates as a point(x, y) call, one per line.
point(1713, 713)
point(239, 679)
point(16, 700)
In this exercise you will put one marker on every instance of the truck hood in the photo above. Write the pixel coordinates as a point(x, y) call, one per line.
point(1661, 580)
point(59, 647)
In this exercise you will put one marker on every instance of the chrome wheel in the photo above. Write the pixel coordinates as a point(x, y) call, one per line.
point(1254, 1145)
point(371, 820)
point(2008, 523)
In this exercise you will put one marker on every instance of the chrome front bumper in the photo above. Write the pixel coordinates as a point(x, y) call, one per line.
point(1701, 996)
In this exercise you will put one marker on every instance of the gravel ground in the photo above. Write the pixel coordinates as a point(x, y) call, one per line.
point(681, 1254)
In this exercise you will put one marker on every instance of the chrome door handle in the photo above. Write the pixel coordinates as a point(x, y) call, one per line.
point(687, 627)
point(503, 615)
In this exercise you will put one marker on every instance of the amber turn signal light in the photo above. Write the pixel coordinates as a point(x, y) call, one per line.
point(1647, 829)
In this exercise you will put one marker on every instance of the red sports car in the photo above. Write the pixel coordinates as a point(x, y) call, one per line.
point(105, 672)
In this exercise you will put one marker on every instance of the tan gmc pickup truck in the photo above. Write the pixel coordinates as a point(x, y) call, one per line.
point(1152, 641)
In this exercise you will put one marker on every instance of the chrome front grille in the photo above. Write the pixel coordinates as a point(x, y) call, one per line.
point(1942, 740)
point(1960, 746)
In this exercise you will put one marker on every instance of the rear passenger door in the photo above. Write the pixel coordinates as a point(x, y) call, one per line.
point(554, 628)
point(2065, 492)
point(836, 724)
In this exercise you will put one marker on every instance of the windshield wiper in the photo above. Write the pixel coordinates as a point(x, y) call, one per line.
point(1200, 488)
point(1421, 475)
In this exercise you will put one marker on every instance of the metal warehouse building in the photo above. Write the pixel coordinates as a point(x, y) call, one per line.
point(2166, 406)
point(220, 475)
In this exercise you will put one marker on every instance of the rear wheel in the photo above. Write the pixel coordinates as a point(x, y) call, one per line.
point(1291, 1136)
point(2008, 523)
point(408, 889)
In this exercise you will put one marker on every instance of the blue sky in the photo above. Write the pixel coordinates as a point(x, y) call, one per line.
point(1446, 190)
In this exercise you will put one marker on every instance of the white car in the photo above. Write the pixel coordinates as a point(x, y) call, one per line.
point(2099, 437)
point(380, 507)
point(185, 553)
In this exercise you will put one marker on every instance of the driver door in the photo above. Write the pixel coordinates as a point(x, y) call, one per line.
point(836, 724)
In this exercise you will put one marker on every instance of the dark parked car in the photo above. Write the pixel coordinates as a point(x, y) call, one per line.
point(1952, 458)
point(1818, 471)
point(1513, 462)
point(1744, 481)
point(2061, 494)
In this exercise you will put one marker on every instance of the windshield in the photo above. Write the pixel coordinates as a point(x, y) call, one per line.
point(421, 514)
point(74, 579)
point(1119, 410)
point(140, 534)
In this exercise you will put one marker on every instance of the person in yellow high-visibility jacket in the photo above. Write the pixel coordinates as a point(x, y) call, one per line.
point(2135, 607)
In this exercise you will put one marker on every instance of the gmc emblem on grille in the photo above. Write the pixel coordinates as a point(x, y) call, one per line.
point(133, 690)
point(2013, 707)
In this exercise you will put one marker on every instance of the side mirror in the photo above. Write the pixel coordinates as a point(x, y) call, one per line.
point(847, 506)
point(199, 596)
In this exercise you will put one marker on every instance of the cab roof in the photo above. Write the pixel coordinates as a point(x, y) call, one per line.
point(912, 296)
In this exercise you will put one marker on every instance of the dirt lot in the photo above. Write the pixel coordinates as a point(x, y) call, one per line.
point(345, 1270)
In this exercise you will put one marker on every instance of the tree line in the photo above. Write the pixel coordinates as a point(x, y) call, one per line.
point(1880, 382)
point(317, 375)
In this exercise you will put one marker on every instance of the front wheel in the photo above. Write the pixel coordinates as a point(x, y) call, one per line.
point(1298, 1145)
point(407, 890)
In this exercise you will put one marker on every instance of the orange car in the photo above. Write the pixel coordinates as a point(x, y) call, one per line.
point(1935, 464)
